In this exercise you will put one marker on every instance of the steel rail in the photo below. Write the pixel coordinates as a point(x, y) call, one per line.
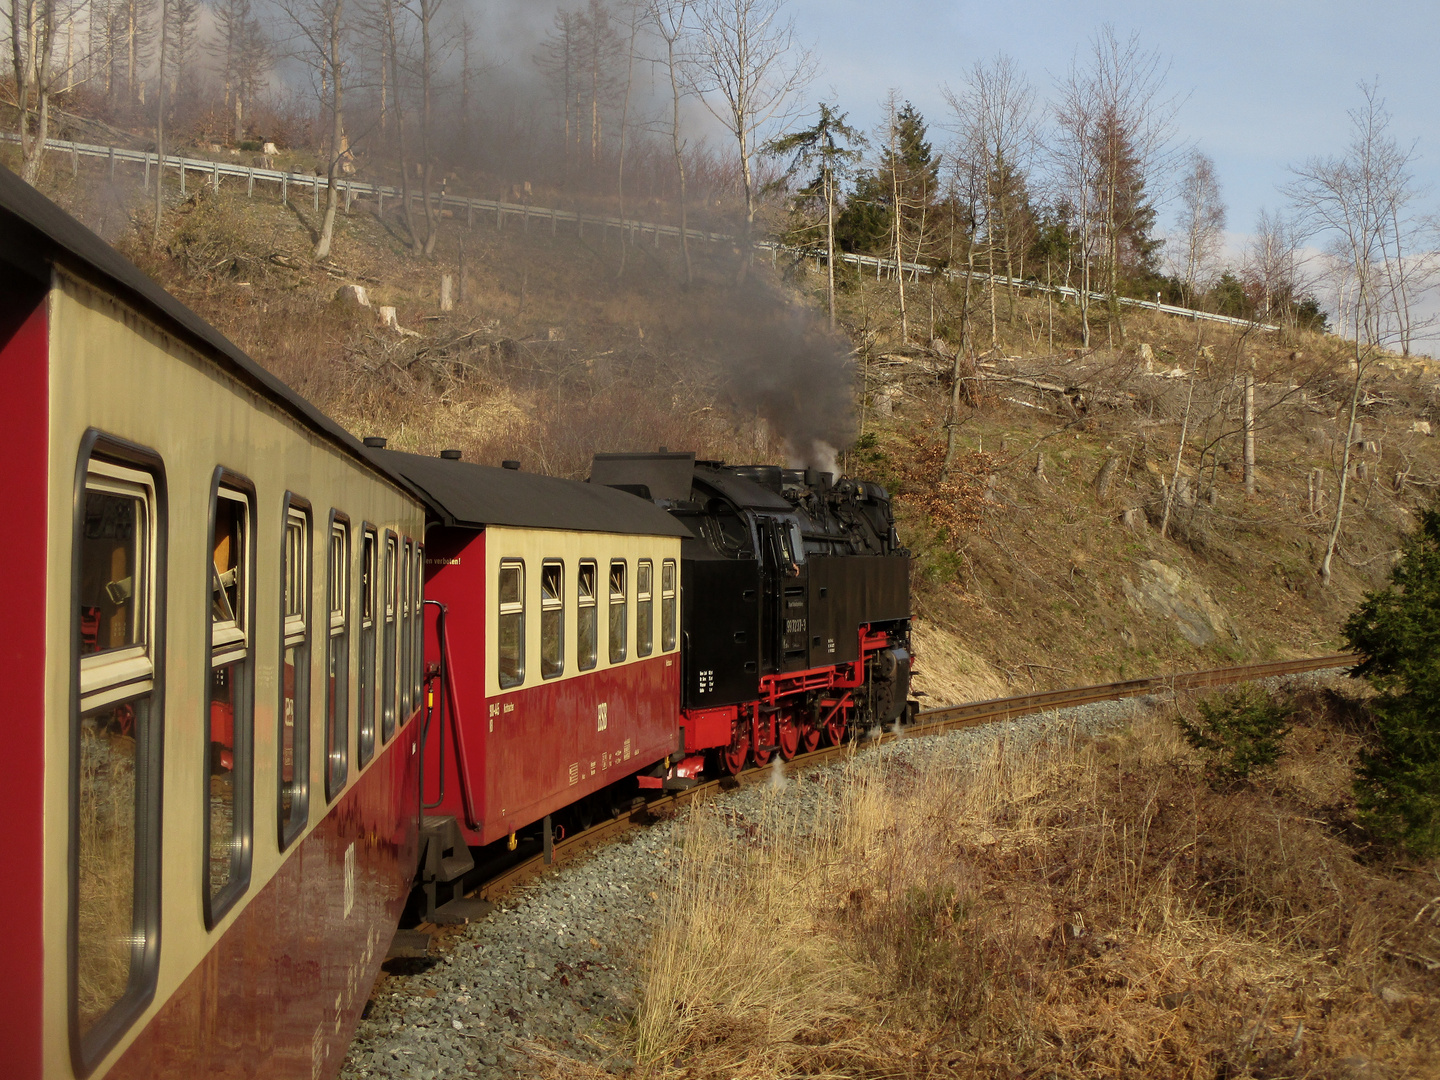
point(929, 722)
point(214, 170)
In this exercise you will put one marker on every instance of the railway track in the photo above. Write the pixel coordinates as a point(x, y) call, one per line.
point(929, 722)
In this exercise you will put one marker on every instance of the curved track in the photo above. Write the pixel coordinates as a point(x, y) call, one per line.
point(930, 722)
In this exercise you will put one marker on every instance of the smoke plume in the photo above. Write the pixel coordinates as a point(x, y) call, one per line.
point(780, 362)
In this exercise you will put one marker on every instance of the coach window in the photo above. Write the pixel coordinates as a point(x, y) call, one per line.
point(552, 618)
point(667, 605)
point(617, 611)
point(644, 608)
point(417, 648)
point(407, 615)
point(388, 603)
point(229, 713)
point(511, 636)
point(295, 674)
point(365, 715)
point(587, 616)
point(115, 740)
point(337, 690)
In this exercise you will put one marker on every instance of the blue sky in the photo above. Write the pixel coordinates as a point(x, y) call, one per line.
point(1263, 84)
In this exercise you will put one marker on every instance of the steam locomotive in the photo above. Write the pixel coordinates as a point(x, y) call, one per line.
point(796, 621)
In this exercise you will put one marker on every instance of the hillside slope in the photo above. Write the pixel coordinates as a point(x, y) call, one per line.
point(1039, 559)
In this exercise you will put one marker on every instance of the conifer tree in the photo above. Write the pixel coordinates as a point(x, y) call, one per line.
point(827, 147)
point(1398, 631)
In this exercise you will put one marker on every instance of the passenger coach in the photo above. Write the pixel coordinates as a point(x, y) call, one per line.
point(212, 652)
point(560, 641)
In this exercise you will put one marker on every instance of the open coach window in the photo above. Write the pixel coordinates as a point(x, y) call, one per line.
point(295, 671)
point(229, 712)
point(552, 618)
point(117, 710)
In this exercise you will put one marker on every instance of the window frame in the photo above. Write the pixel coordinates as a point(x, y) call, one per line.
point(557, 603)
point(337, 625)
point(669, 605)
point(405, 630)
point(298, 633)
point(622, 654)
point(237, 644)
point(367, 691)
point(591, 604)
point(389, 643)
point(517, 608)
point(417, 656)
point(87, 1049)
point(644, 644)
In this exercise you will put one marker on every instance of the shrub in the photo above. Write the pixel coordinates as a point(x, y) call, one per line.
point(1397, 629)
point(1242, 730)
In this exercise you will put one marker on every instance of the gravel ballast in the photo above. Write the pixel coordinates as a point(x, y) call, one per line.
point(558, 961)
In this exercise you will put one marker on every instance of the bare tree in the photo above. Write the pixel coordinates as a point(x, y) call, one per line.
point(426, 14)
point(244, 52)
point(322, 42)
point(160, 127)
point(1115, 125)
point(1202, 223)
point(634, 17)
point(1352, 204)
point(34, 25)
point(1272, 266)
point(393, 46)
point(748, 67)
point(994, 125)
point(669, 17)
point(1075, 166)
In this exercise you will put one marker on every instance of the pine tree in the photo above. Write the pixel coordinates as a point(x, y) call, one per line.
point(826, 147)
point(1398, 631)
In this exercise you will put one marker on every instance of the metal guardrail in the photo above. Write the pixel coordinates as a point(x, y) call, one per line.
point(215, 171)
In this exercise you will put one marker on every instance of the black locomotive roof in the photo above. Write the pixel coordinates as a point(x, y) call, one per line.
point(463, 493)
point(740, 490)
point(34, 233)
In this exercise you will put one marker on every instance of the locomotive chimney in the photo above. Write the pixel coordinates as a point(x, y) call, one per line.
point(374, 442)
point(450, 455)
point(510, 463)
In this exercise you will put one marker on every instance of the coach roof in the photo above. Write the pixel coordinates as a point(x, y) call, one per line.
point(37, 233)
point(462, 493)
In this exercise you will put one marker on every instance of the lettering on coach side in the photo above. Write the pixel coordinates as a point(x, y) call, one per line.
point(602, 717)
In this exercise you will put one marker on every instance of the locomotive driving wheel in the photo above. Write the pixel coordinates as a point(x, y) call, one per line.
point(835, 723)
point(787, 735)
point(809, 733)
point(732, 758)
point(764, 738)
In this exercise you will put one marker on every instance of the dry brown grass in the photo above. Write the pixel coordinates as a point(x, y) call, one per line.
point(1056, 910)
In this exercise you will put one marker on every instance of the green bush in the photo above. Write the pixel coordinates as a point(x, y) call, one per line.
point(1397, 629)
point(1242, 730)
